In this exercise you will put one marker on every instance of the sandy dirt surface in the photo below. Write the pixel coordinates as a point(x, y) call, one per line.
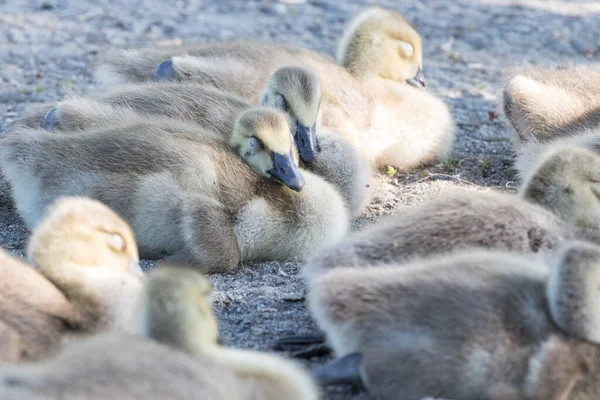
point(48, 50)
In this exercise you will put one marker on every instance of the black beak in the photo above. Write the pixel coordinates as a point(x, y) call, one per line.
point(165, 72)
point(306, 141)
point(286, 171)
point(221, 341)
point(418, 80)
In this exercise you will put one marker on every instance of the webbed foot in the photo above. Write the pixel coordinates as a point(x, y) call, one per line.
point(304, 346)
point(344, 370)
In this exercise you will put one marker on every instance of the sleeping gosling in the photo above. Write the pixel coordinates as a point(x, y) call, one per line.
point(294, 90)
point(557, 202)
point(215, 207)
point(181, 360)
point(391, 122)
point(472, 325)
point(86, 278)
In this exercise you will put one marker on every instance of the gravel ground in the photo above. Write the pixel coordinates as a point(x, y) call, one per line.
point(49, 48)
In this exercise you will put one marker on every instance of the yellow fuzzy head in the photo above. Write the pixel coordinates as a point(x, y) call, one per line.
point(81, 231)
point(261, 137)
point(380, 42)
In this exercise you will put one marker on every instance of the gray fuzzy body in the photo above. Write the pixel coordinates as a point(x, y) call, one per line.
point(118, 367)
point(187, 196)
point(338, 162)
point(471, 326)
point(457, 220)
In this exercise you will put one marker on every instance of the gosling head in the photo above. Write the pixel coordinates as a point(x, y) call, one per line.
point(297, 92)
point(573, 291)
point(176, 309)
point(380, 42)
point(567, 182)
point(83, 232)
point(261, 137)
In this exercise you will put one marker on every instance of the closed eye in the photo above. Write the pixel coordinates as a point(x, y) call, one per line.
point(406, 48)
point(117, 242)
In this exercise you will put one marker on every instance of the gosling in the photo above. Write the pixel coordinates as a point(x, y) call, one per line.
point(215, 207)
point(557, 202)
point(86, 279)
point(391, 122)
point(473, 325)
point(293, 90)
point(181, 360)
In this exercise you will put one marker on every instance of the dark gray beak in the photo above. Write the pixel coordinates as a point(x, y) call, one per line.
point(165, 72)
point(286, 171)
point(306, 141)
point(418, 80)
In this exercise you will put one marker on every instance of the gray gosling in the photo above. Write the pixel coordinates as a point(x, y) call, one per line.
point(391, 122)
point(470, 326)
point(166, 304)
point(294, 90)
point(558, 202)
point(187, 196)
point(86, 279)
point(180, 360)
